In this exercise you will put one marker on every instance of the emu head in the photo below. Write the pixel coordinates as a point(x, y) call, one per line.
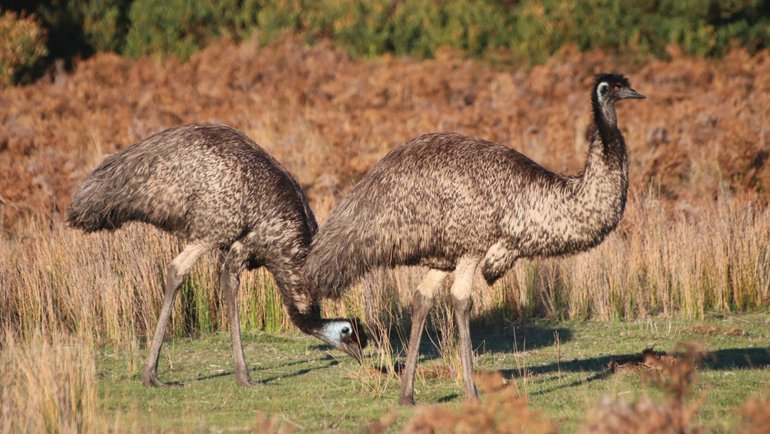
point(344, 334)
point(610, 87)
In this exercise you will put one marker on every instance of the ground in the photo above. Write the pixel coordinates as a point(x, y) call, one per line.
point(561, 367)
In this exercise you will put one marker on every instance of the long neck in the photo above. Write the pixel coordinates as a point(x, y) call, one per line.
point(597, 198)
point(307, 318)
point(610, 146)
point(603, 184)
point(304, 311)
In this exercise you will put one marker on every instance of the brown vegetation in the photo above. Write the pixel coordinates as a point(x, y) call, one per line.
point(694, 237)
point(675, 376)
point(503, 411)
point(48, 385)
point(757, 416)
point(702, 132)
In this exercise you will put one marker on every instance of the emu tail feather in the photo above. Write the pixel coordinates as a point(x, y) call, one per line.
point(339, 255)
point(99, 201)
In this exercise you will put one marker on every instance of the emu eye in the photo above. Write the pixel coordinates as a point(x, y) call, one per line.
point(345, 331)
point(616, 88)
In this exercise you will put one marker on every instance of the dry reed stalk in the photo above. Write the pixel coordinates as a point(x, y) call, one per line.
point(48, 385)
point(503, 410)
point(675, 375)
point(756, 413)
point(107, 287)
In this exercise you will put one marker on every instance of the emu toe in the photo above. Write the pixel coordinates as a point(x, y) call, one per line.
point(150, 379)
point(244, 380)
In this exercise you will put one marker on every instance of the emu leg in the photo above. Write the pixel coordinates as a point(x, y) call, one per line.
point(179, 268)
point(421, 304)
point(462, 310)
point(229, 281)
point(461, 294)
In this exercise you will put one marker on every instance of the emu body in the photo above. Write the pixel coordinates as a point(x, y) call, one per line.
point(217, 190)
point(458, 204)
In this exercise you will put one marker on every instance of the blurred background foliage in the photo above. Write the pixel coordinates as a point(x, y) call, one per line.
point(519, 31)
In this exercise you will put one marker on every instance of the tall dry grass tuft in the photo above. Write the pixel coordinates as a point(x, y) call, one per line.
point(503, 411)
point(675, 376)
point(686, 260)
point(48, 385)
point(275, 424)
point(107, 287)
point(756, 412)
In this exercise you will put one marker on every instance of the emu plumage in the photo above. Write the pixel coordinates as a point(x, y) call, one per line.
point(216, 189)
point(457, 203)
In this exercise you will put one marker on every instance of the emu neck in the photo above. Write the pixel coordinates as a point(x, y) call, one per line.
point(610, 144)
point(598, 197)
point(308, 321)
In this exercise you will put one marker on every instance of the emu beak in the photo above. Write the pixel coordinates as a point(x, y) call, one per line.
point(345, 335)
point(355, 345)
point(629, 93)
point(354, 351)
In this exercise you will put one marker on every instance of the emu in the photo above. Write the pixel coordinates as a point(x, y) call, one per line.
point(215, 188)
point(456, 203)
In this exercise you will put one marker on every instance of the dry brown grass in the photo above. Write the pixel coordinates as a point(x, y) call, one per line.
point(686, 260)
point(702, 133)
point(675, 375)
point(48, 385)
point(107, 288)
point(502, 411)
point(757, 416)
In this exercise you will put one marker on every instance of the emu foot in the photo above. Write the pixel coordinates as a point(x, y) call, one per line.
point(244, 380)
point(150, 379)
point(472, 394)
point(406, 401)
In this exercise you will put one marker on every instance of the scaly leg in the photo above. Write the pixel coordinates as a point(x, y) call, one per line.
point(229, 281)
point(179, 268)
point(461, 294)
point(421, 304)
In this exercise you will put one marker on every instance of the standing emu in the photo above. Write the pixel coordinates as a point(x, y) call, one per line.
point(456, 203)
point(215, 188)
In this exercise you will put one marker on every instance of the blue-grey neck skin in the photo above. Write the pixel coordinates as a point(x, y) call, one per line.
point(443, 196)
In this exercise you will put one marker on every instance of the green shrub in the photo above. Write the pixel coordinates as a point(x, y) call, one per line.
point(278, 16)
point(81, 28)
point(21, 47)
point(529, 30)
point(373, 27)
point(638, 29)
point(183, 26)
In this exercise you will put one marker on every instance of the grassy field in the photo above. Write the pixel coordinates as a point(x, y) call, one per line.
point(314, 389)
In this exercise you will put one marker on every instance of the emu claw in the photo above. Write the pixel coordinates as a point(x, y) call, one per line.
point(152, 380)
point(245, 381)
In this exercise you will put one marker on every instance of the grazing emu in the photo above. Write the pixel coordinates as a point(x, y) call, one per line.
point(216, 189)
point(455, 203)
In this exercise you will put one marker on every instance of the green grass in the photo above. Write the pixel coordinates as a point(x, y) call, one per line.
point(315, 388)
